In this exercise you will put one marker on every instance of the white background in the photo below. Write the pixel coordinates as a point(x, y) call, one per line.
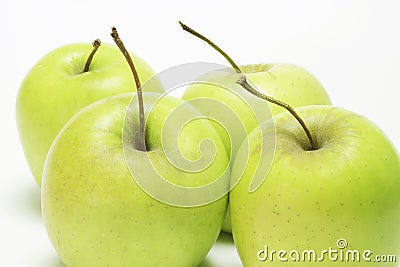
point(353, 47)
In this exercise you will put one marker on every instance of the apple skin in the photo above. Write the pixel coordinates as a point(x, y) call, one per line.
point(96, 214)
point(289, 83)
point(348, 188)
point(55, 89)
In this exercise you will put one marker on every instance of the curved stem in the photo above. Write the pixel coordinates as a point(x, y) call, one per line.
point(141, 143)
point(208, 41)
point(96, 44)
point(243, 82)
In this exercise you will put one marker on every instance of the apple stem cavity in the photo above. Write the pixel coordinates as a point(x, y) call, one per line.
point(96, 44)
point(141, 141)
point(242, 81)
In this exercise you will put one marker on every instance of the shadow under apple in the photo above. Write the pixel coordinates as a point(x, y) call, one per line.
point(27, 201)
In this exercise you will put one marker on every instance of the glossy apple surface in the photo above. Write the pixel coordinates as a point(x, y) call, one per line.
point(97, 214)
point(289, 83)
point(345, 192)
point(56, 88)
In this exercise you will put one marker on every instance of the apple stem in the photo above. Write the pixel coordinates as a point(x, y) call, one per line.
point(202, 37)
point(242, 81)
point(141, 142)
point(96, 44)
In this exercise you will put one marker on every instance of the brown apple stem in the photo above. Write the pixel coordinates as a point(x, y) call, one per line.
point(242, 81)
point(96, 44)
point(141, 142)
point(208, 41)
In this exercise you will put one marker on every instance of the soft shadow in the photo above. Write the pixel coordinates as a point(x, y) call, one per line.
point(27, 201)
point(57, 263)
point(52, 262)
point(207, 263)
point(225, 238)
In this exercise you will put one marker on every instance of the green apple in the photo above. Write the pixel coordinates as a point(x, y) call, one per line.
point(287, 82)
point(57, 87)
point(340, 201)
point(95, 208)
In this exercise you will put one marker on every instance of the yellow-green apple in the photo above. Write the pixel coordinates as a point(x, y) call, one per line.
point(95, 209)
point(336, 205)
point(288, 83)
point(61, 84)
